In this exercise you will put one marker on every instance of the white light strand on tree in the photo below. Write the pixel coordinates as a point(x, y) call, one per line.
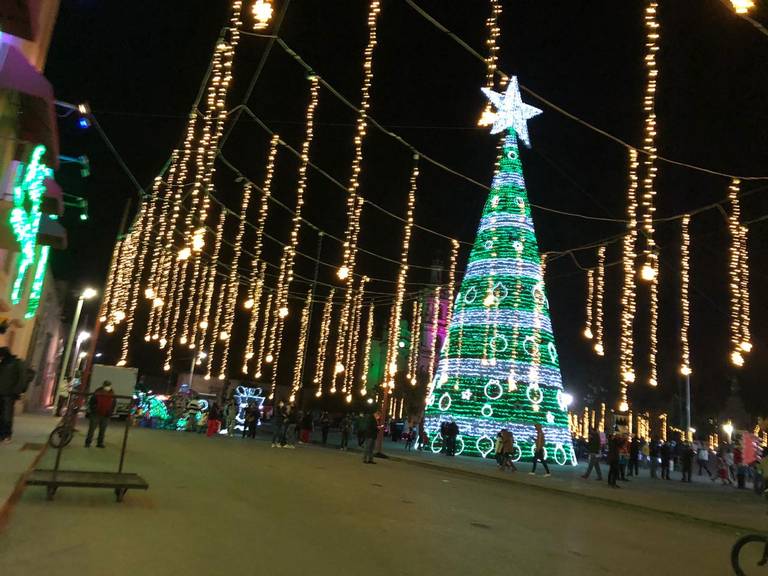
point(233, 285)
point(397, 307)
point(299, 365)
point(588, 333)
point(367, 351)
point(653, 379)
point(746, 337)
point(413, 351)
point(649, 140)
point(253, 321)
point(262, 350)
point(735, 268)
point(599, 299)
point(488, 117)
point(628, 288)
point(433, 331)
point(685, 311)
point(322, 347)
point(354, 204)
point(282, 303)
point(207, 338)
point(354, 342)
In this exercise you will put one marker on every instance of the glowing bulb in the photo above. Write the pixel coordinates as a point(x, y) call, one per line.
point(269, 358)
point(370, 400)
point(413, 381)
point(121, 363)
point(628, 376)
point(588, 333)
point(737, 358)
point(109, 328)
point(207, 377)
point(167, 367)
point(318, 394)
point(343, 273)
point(283, 312)
point(742, 6)
point(349, 398)
point(203, 325)
point(487, 118)
point(198, 241)
point(182, 340)
point(146, 338)
point(599, 350)
point(248, 304)
point(102, 318)
point(489, 300)
point(155, 336)
point(249, 356)
point(163, 342)
point(401, 344)
point(339, 368)
point(157, 302)
point(257, 375)
point(363, 391)
point(685, 371)
point(653, 382)
point(262, 14)
point(746, 346)
point(221, 376)
point(647, 272)
point(149, 293)
point(223, 335)
point(623, 407)
point(184, 254)
point(393, 368)
point(119, 315)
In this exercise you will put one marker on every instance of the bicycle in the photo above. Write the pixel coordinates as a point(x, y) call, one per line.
point(744, 555)
point(62, 435)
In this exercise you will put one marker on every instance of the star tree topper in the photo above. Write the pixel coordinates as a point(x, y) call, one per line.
point(511, 111)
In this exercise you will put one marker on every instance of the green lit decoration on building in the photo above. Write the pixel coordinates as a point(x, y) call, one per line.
point(28, 193)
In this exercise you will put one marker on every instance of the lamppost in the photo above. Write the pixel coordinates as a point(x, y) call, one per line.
point(82, 337)
point(87, 294)
point(197, 360)
point(728, 429)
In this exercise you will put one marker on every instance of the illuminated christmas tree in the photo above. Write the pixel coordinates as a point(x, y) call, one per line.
point(498, 366)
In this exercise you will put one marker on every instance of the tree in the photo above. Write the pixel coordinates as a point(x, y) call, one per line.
point(499, 366)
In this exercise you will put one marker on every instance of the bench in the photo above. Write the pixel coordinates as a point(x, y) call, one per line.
point(120, 482)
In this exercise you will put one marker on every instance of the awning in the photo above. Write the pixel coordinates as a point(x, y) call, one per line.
point(53, 199)
point(37, 122)
point(20, 17)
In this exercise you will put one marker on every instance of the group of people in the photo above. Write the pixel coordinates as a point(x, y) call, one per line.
point(625, 454)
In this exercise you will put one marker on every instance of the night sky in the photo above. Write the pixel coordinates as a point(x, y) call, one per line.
point(139, 65)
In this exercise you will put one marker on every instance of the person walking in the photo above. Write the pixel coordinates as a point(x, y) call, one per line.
point(13, 383)
point(666, 455)
point(614, 445)
point(277, 426)
point(325, 426)
point(623, 457)
point(538, 455)
point(371, 427)
point(593, 449)
point(214, 420)
point(653, 457)
point(723, 472)
point(702, 457)
point(345, 427)
point(452, 429)
point(101, 404)
point(306, 427)
point(361, 424)
point(686, 461)
point(409, 438)
point(230, 414)
point(507, 448)
point(634, 457)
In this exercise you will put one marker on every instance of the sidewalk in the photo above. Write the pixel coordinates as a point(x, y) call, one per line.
point(700, 501)
point(30, 434)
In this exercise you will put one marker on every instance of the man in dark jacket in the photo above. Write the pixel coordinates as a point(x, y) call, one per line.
point(101, 404)
point(593, 448)
point(634, 456)
point(13, 383)
point(614, 445)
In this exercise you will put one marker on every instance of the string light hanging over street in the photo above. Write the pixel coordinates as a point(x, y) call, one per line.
point(599, 300)
point(299, 365)
point(628, 288)
point(488, 117)
point(322, 347)
point(588, 333)
point(685, 313)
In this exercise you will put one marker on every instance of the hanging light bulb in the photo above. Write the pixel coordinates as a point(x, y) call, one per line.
point(248, 304)
point(647, 272)
point(623, 407)
point(736, 358)
point(157, 303)
point(269, 358)
point(343, 273)
point(283, 312)
point(149, 293)
point(262, 13)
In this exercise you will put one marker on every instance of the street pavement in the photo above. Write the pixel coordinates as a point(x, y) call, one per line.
point(226, 505)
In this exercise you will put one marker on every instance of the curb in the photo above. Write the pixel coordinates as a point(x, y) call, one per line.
point(10, 503)
point(587, 497)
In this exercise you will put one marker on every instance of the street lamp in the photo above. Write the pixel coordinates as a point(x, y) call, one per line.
point(728, 429)
point(86, 294)
point(82, 337)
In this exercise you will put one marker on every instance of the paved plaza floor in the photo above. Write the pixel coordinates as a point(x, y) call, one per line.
point(226, 505)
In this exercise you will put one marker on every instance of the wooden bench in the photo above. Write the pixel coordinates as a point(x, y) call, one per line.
point(120, 482)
